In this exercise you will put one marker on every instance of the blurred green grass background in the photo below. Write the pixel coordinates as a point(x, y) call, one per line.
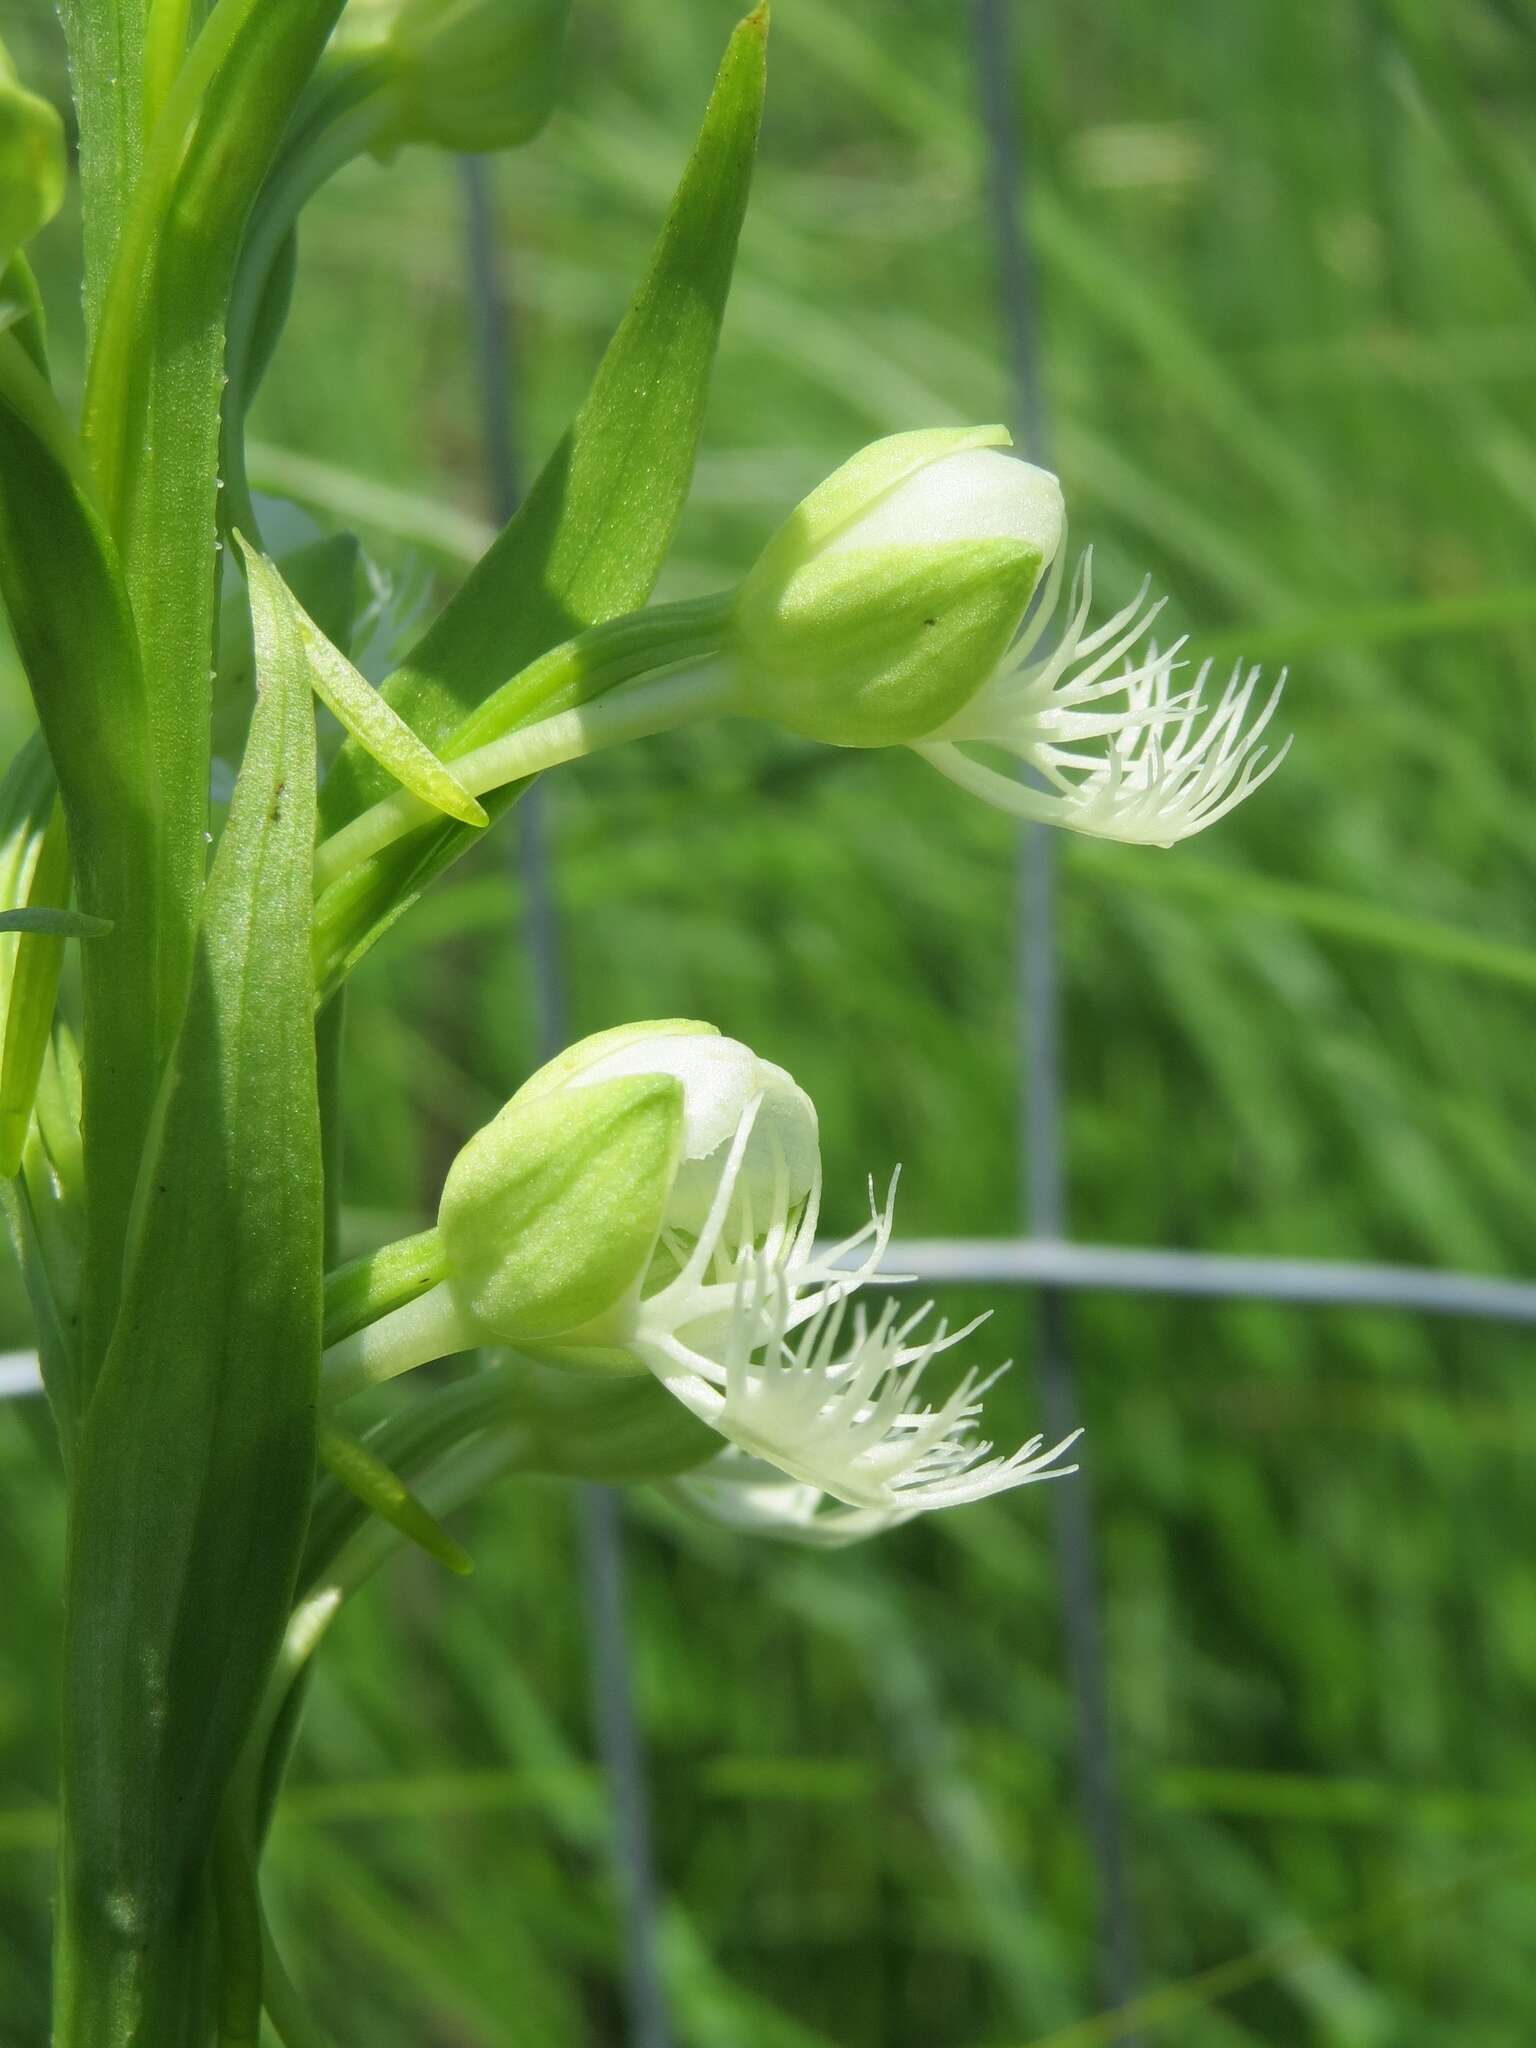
point(1288, 268)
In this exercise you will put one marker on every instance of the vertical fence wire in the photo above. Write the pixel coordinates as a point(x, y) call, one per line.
point(615, 1723)
point(1041, 1091)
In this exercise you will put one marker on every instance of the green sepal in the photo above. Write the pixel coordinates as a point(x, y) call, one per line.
point(590, 540)
point(551, 1213)
point(197, 1457)
point(386, 1495)
point(27, 797)
point(22, 312)
point(59, 1095)
point(619, 1431)
point(52, 1195)
point(873, 647)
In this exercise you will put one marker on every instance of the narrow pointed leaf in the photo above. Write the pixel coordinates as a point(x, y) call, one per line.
point(73, 626)
point(380, 731)
point(590, 540)
point(372, 1482)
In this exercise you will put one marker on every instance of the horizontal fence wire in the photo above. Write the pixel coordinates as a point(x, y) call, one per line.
point(1040, 1262)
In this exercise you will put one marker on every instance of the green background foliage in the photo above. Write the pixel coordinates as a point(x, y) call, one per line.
point(1289, 337)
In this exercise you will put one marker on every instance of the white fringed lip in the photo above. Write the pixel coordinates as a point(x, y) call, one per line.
point(1115, 749)
point(758, 1337)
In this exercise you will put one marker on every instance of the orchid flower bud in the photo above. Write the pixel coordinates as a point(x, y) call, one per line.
point(648, 1202)
point(32, 162)
point(475, 74)
point(552, 1216)
point(885, 612)
point(892, 591)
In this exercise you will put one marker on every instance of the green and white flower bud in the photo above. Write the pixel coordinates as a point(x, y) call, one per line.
point(648, 1203)
point(474, 75)
point(572, 1213)
point(892, 592)
point(32, 162)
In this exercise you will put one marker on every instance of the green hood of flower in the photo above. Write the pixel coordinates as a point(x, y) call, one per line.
point(892, 592)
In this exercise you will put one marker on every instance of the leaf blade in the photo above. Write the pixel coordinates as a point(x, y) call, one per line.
point(589, 541)
point(197, 1456)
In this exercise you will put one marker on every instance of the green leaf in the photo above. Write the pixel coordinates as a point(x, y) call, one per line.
point(73, 626)
point(590, 540)
point(197, 1458)
point(106, 62)
point(381, 732)
point(369, 1480)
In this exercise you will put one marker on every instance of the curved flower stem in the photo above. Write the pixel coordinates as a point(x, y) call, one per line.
point(648, 703)
point(427, 1327)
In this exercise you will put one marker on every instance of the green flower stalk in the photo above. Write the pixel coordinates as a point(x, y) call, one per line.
point(648, 1202)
